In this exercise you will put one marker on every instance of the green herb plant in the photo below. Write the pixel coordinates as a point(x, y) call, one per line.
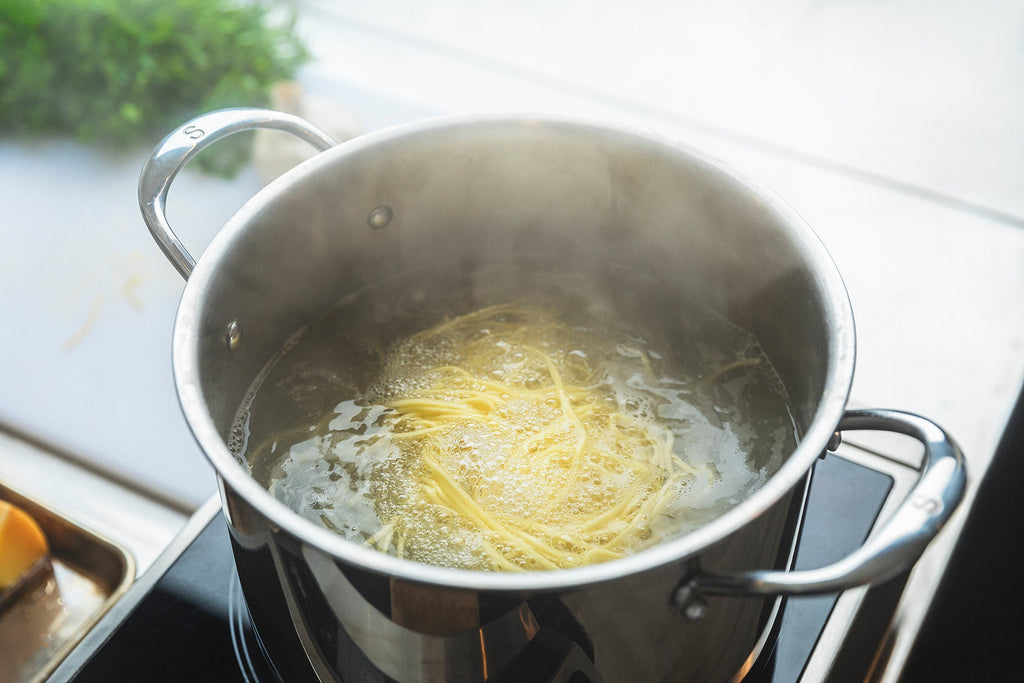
point(122, 72)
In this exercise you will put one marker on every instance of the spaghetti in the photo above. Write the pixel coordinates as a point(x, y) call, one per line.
point(514, 441)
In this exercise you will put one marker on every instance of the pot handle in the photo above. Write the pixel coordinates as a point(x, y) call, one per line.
point(887, 553)
point(178, 148)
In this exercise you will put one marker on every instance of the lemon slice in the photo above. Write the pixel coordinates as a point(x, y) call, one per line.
point(22, 544)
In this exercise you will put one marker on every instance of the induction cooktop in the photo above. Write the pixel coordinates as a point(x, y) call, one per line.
point(186, 619)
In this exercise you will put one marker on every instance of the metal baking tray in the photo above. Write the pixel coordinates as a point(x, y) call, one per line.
point(50, 615)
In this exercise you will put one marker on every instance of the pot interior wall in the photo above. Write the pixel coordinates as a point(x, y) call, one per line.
point(591, 201)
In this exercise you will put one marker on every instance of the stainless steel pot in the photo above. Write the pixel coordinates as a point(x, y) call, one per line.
point(587, 197)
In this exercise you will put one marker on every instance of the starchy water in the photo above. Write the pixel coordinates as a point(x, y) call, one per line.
point(514, 419)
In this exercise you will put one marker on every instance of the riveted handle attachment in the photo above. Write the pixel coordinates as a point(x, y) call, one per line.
point(178, 148)
point(887, 553)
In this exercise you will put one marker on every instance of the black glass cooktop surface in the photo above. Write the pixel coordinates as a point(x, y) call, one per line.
point(192, 624)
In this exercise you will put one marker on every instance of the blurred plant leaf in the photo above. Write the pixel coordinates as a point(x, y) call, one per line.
point(124, 72)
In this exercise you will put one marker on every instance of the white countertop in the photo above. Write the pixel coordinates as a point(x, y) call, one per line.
point(895, 129)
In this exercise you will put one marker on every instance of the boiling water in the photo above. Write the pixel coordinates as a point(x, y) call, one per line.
point(507, 438)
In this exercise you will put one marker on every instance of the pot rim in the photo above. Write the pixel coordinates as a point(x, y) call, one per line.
point(838, 380)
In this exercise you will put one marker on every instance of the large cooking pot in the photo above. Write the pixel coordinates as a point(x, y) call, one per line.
point(589, 198)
